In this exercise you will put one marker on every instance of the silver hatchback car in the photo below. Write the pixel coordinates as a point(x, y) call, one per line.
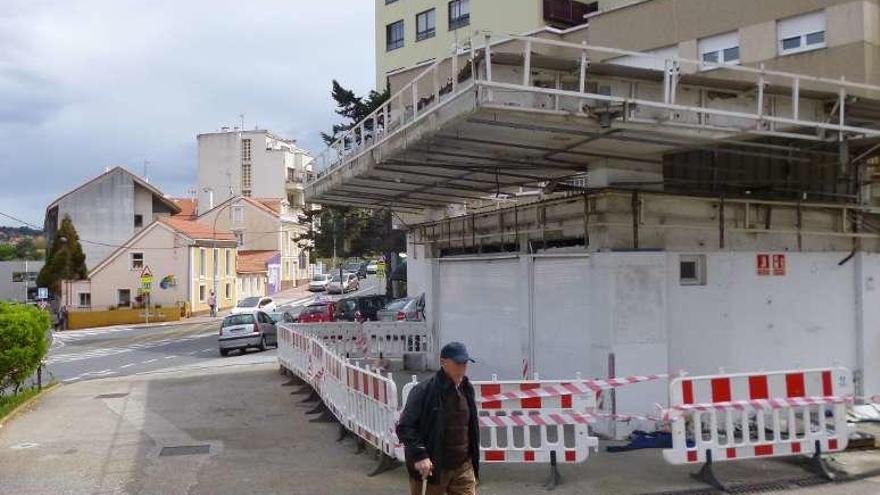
point(246, 330)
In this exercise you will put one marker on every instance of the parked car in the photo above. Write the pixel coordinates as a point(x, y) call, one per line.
point(318, 312)
point(282, 317)
point(251, 304)
point(405, 309)
point(359, 269)
point(359, 308)
point(241, 331)
point(341, 285)
point(319, 282)
point(372, 267)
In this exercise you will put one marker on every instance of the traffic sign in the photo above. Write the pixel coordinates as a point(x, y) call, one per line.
point(43, 293)
point(146, 280)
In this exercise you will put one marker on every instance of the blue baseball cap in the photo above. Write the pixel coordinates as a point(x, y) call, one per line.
point(457, 352)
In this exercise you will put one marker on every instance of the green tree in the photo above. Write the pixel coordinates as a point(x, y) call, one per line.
point(7, 252)
point(353, 109)
point(23, 343)
point(66, 260)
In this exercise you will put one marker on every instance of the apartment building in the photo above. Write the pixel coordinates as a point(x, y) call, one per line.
point(108, 210)
point(829, 38)
point(414, 32)
point(257, 163)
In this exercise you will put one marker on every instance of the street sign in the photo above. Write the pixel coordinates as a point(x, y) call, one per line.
point(43, 293)
point(146, 280)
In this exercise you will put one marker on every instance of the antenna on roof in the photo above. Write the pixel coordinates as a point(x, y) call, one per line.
point(146, 167)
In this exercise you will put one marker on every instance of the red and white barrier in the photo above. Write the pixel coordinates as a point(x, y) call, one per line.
point(747, 415)
point(372, 338)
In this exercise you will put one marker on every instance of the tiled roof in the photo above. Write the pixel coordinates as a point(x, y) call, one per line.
point(253, 261)
point(273, 204)
point(188, 207)
point(196, 230)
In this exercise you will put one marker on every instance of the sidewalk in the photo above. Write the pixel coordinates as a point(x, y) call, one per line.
point(108, 436)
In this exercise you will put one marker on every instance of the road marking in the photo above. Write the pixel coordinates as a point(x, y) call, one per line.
point(127, 365)
point(148, 361)
point(209, 349)
point(71, 379)
point(170, 357)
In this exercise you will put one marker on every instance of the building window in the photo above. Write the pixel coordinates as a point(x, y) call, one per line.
point(216, 263)
point(138, 221)
point(24, 276)
point(245, 177)
point(426, 24)
point(720, 49)
point(692, 269)
point(137, 261)
point(123, 298)
point(238, 214)
point(85, 299)
point(228, 262)
point(202, 293)
point(459, 14)
point(394, 36)
point(302, 260)
point(228, 291)
point(203, 262)
point(239, 238)
point(245, 150)
point(801, 33)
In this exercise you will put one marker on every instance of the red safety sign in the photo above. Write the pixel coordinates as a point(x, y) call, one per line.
point(763, 264)
point(779, 265)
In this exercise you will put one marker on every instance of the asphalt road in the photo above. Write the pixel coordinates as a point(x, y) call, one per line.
point(88, 354)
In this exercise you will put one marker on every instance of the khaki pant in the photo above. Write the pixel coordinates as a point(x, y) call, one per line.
point(458, 481)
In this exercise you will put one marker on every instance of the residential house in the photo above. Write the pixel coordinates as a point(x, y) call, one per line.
point(187, 260)
point(107, 211)
point(258, 273)
point(261, 224)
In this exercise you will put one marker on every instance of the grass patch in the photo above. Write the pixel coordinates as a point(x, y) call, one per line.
point(9, 402)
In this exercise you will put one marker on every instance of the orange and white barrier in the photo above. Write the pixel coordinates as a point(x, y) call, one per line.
point(748, 415)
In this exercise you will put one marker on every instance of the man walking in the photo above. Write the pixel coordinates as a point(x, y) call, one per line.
point(439, 430)
point(212, 302)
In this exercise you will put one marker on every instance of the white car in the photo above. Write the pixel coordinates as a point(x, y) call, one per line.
point(319, 282)
point(348, 282)
point(252, 304)
point(372, 267)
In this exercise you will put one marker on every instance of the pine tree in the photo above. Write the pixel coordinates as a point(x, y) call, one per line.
point(66, 260)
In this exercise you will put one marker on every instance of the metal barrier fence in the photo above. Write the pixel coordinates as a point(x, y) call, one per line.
point(732, 417)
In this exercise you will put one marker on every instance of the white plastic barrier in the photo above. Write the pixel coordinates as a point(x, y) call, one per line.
point(732, 417)
point(541, 428)
point(393, 339)
point(362, 400)
point(371, 339)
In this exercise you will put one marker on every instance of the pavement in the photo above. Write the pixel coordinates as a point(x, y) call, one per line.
point(77, 355)
point(109, 436)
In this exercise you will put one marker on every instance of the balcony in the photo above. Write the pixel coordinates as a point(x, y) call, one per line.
point(297, 180)
point(567, 13)
point(491, 133)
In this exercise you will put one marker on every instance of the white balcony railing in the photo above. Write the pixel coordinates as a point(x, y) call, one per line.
point(797, 117)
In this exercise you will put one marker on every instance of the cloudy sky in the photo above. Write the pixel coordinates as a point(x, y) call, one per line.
point(85, 84)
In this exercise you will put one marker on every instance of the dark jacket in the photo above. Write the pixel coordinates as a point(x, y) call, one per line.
point(422, 425)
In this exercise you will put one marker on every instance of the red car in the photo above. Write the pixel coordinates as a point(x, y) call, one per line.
point(318, 312)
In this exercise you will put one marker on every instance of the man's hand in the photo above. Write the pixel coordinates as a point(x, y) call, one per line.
point(425, 468)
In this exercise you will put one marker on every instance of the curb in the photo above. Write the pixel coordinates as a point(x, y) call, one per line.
point(21, 407)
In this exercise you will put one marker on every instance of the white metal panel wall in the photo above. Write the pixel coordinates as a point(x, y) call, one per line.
point(480, 305)
point(562, 336)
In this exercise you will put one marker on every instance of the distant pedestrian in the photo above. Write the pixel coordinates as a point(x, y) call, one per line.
point(212, 302)
point(62, 317)
point(439, 430)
